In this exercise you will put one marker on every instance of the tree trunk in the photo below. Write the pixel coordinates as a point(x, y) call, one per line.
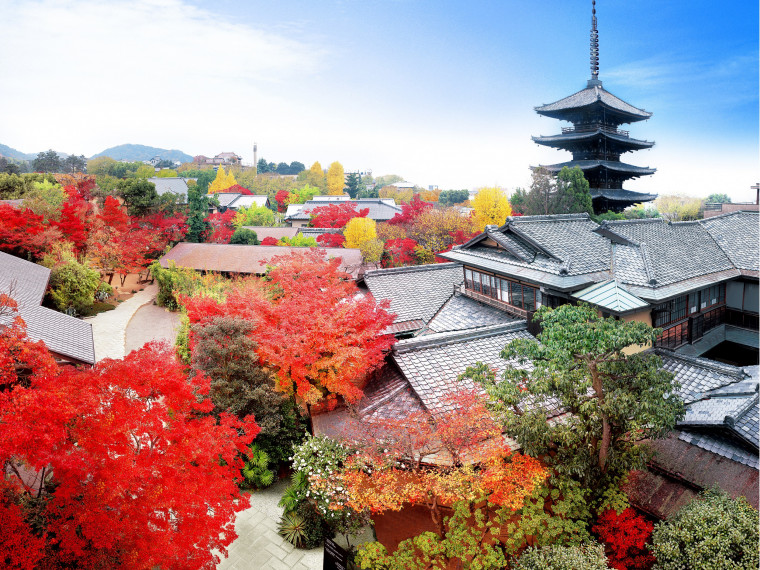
point(604, 448)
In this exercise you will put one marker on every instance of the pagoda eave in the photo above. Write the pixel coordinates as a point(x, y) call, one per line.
point(591, 165)
point(569, 140)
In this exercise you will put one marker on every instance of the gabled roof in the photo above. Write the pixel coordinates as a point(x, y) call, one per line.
point(611, 296)
point(432, 363)
point(415, 293)
point(669, 253)
point(461, 313)
point(721, 406)
point(247, 259)
point(737, 234)
point(226, 198)
point(248, 200)
point(379, 209)
point(175, 185)
point(62, 334)
point(593, 95)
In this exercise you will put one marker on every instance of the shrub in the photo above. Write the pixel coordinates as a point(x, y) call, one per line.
point(244, 236)
point(715, 528)
point(255, 471)
point(627, 535)
point(173, 281)
point(585, 557)
point(72, 284)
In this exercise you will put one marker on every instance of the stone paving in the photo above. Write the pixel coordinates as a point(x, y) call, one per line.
point(258, 545)
point(109, 328)
point(151, 322)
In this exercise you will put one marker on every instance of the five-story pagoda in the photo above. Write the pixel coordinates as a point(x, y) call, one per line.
point(596, 140)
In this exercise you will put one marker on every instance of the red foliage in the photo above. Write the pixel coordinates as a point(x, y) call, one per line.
point(221, 227)
point(20, 549)
point(114, 214)
point(138, 474)
point(165, 230)
point(410, 212)
point(75, 222)
point(400, 252)
point(282, 199)
point(238, 189)
point(336, 215)
point(22, 231)
point(331, 240)
point(626, 536)
point(312, 328)
point(269, 240)
point(459, 238)
point(19, 356)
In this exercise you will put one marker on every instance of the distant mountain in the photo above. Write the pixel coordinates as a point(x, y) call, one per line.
point(139, 152)
point(9, 152)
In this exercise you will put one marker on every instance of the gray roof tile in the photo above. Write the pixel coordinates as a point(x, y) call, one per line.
point(415, 292)
point(589, 96)
point(379, 209)
point(461, 312)
point(737, 235)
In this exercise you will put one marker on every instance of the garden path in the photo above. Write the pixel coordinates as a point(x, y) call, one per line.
point(258, 546)
point(109, 328)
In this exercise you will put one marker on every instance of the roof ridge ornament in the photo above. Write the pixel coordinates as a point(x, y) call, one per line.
point(594, 48)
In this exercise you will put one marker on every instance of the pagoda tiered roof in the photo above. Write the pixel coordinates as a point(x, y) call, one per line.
point(593, 100)
point(615, 166)
point(570, 137)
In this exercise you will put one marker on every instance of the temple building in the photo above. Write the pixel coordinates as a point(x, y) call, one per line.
point(595, 139)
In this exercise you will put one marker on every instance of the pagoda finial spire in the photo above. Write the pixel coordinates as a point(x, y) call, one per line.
point(594, 44)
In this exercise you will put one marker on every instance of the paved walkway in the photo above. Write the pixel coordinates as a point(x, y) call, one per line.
point(109, 328)
point(258, 546)
point(151, 322)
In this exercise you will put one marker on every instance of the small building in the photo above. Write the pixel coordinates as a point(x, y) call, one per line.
point(380, 210)
point(69, 339)
point(172, 185)
point(247, 259)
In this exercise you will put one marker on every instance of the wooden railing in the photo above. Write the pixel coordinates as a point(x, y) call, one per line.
point(594, 128)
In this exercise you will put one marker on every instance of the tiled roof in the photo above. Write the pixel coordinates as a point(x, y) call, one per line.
point(627, 142)
point(226, 198)
point(609, 295)
point(432, 363)
point(263, 232)
point(248, 200)
point(379, 209)
point(27, 280)
point(316, 232)
point(722, 406)
point(65, 335)
point(613, 165)
point(461, 312)
point(174, 185)
point(250, 259)
point(589, 96)
point(737, 235)
point(672, 252)
point(415, 292)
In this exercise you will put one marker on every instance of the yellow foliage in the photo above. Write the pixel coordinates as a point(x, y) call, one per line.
point(677, 207)
point(436, 228)
point(222, 181)
point(359, 230)
point(398, 195)
point(429, 195)
point(336, 179)
point(491, 207)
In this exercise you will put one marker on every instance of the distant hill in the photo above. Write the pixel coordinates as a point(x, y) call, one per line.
point(139, 152)
point(9, 152)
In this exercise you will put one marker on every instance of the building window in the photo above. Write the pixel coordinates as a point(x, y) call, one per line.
point(670, 312)
point(510, 292)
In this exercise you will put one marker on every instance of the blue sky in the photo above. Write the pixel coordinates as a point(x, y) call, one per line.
point(438, 92)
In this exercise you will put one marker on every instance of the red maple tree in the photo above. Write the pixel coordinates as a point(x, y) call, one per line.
point(331, 240)
point(221, 227)
point(410, 211)
point(312, 329)
point(335, 215)
point(122, 465)
point(400, 252)
point(76, 219)
point(23, 232)
point(626, 536)
point(283, 199)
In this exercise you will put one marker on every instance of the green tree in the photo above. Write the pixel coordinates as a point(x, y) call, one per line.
point(254, 216)
point(45, 198)
point(582, 557)
point(451, 197)
point(139, 195)
point(539, 199)
point(518, 199)
point(716, 198)
point(244, 236)
point(572, 193)
point(47, 162)
point(73, 163)
point(197, 210)
point(353, 184)
point(72, 284)
point(712, 531)
point(299, 240)
point(611, 400)
point(166, 173)
point(100, 166)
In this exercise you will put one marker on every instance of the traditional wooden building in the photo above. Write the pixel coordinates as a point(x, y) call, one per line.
point(595, 139)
